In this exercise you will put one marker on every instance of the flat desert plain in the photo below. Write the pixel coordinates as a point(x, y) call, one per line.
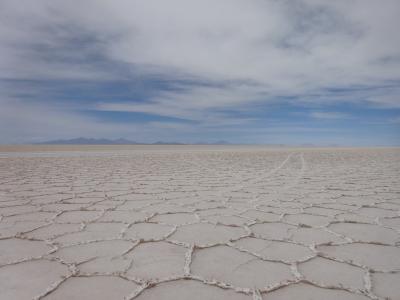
point(199, 222)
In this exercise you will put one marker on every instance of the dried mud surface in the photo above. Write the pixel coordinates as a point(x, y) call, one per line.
point(200, 223)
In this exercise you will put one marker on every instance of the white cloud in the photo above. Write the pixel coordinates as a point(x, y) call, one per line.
point(289, 47)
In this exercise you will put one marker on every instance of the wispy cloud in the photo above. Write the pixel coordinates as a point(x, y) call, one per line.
point(193, 103)
point(329, 115)
point(395, 120)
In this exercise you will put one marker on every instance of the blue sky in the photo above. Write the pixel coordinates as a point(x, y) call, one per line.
point(248, 71)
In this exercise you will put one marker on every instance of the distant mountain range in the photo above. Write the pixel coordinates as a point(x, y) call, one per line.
point(120, 141)
point(89, 141)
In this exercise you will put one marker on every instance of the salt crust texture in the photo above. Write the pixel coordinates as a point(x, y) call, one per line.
point(201, 224)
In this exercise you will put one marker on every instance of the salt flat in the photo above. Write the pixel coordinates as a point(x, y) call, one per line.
point(199, 222)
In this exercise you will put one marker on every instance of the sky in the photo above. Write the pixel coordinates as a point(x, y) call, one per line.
point(244, 71)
